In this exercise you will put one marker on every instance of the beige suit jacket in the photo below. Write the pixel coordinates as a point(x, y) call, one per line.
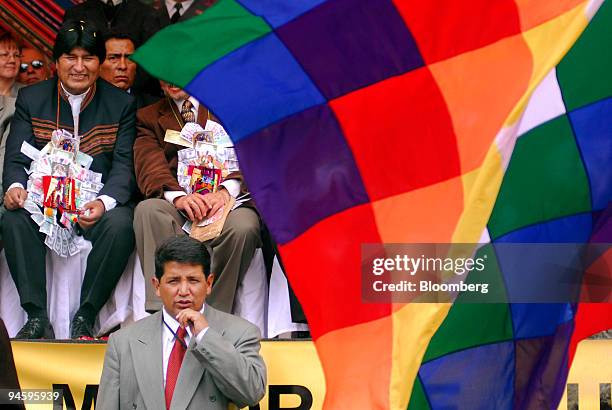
point(224, 367)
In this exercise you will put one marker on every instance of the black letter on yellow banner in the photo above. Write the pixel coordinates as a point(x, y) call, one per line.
point(276, 391)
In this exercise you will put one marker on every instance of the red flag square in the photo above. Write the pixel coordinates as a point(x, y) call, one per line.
point(400, 133)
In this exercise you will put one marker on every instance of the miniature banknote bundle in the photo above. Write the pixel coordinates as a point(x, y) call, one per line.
point(60, 183)
point(210, 158)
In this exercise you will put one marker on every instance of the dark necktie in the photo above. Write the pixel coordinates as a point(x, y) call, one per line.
point(177, 14)
point(109, 12)
point(174, 364)
point(187, 112)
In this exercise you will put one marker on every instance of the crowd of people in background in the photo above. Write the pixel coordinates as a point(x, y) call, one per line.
point(110, 98)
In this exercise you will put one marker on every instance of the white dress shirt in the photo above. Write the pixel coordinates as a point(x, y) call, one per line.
point(75, 105)
point(75, 101)
point(232, 186)
point(168, 337)
point(184, 6)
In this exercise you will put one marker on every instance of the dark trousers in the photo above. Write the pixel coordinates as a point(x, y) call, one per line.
point(112, 240)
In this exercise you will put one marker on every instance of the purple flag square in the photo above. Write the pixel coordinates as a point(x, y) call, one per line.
point(300, 171)
point(476, 378)
point(344, 45)
point(593, 130)
point(603, 226)
point(541, 369)
point(277, 13)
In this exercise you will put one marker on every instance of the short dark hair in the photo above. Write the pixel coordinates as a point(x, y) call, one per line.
point(181, 249)
point(79, 33)
point(117, 34)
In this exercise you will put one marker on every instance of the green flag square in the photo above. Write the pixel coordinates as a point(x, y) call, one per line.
point(545, 180)
point(475, 319)
point(180, 51)
point(585, 73)
point(418, 400)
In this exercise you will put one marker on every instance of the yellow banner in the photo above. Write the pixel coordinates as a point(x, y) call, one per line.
point(295, 377)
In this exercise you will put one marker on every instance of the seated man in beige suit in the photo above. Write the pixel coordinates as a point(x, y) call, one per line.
point(167, 206)
point(189, 355)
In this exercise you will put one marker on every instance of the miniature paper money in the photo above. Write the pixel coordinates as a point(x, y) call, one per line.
point(186, 155)
point(83, 160)
point(29, 151)
point(174, 137)
point(49, 241)
point(39, 219)
point(65, 239)
point(213, 218)
point(31, 207)
point(57, 243)
point(181, 169)
point(221, 137)
point(190, 130)
point(231, 159)
point(46, 228)
point(61, 170)
point(72, 248)
point(94, 177)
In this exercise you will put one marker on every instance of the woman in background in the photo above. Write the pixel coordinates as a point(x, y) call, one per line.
point(10, 59)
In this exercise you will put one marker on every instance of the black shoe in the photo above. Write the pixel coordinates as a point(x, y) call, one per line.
point(36, 328)
point(81, 328)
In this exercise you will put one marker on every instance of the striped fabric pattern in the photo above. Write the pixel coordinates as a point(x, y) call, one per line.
point(34, 22)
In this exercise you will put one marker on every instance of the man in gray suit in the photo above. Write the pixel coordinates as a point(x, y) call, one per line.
point(188, 355)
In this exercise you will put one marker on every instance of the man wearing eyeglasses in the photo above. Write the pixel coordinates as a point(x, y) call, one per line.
point(34, 67)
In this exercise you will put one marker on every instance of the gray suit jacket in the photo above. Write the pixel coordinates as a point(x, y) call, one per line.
point(224, 367)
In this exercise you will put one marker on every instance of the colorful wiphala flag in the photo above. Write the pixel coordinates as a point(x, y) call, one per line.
point(558, 182)
point(379, 121)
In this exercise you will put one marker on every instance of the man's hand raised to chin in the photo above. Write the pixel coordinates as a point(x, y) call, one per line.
point(195, 320)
